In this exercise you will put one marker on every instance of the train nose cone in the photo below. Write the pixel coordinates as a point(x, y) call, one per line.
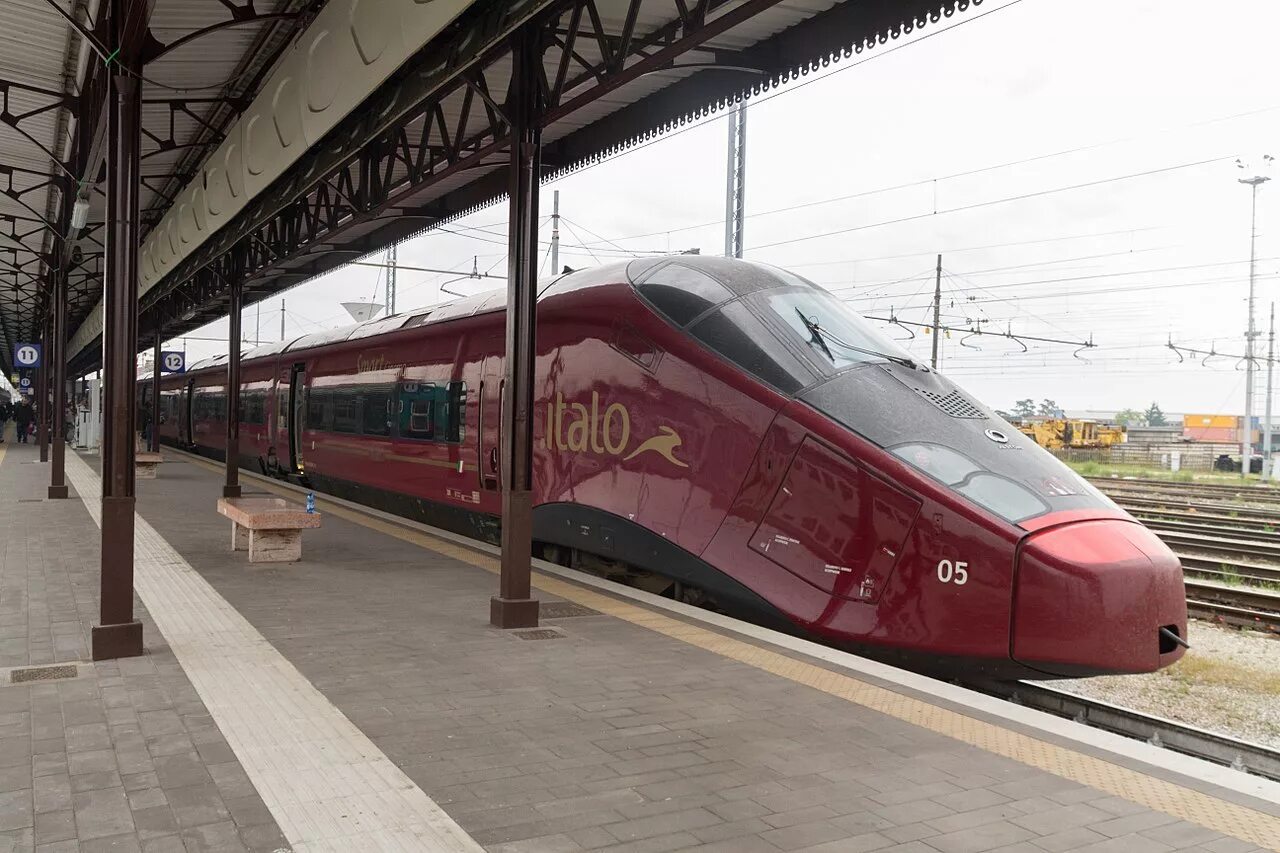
point(1091, 597)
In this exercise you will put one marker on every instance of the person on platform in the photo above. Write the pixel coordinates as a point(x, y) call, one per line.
point(24, 414)
point(6, 411)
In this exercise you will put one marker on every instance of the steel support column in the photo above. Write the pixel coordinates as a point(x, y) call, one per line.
point(231, 488)
point(119, 634)
point(154, 446)
point(56, 356)
point(41, 396)
point(514, 607)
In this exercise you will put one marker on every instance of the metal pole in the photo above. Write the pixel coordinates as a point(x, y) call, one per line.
point(735, 194)
point(1246, 439)
point(282, 319)
point(937, 313)
point(391, 280)
point(1266, 419)
point(154, 445)
point(42, 393)
point(555, 234)
point(231, 488)
point(514, 607)
point(57, 356)
point(119, 634)
point(257, 324)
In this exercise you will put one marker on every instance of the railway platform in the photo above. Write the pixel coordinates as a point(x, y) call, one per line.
point(359, 700)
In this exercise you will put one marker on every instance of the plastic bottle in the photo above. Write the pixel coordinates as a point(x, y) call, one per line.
point(311, 502)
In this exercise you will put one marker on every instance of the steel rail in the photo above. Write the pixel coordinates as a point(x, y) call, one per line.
point(1241, 617)
point(1243, 755)
point(1242, 572)
point(1269, 540)
point(1259, 521)
point(1267, 494)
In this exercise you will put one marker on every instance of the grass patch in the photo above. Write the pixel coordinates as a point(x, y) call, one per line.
point(1119, 469)
point(1093, 468)
point(1193, 670)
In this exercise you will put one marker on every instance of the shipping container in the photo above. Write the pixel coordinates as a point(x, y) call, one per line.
point(1210, 422)
point(1229, 435)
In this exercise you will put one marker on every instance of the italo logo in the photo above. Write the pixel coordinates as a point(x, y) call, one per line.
point(574, 427)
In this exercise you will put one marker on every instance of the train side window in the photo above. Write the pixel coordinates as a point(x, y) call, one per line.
point(682, 293)
point(416, 409)
point(319, 410)
point(428, 412)
point(377, 411)
point(346, 410)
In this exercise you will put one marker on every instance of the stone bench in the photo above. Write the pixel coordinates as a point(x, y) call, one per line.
point(145, 464)
point(270, 528)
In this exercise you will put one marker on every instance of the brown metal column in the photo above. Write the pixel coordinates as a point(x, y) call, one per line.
point(119, 634)
point(231, 489)
point(514, 607)
point(41, 396)
point(56, 356)
point(155, 394)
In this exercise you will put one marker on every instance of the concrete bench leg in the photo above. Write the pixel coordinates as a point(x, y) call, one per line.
point(145, 471)
point(239, 537)
point(275, 546)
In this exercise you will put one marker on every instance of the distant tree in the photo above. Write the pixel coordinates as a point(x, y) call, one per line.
point(1049, 408)
point(1155, 417)
point(1131, 417)
point(1024, 408)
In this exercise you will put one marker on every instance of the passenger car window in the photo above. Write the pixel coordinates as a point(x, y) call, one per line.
point(682, 293)
point(376, 411)
point(346, 417)
point(429, 412)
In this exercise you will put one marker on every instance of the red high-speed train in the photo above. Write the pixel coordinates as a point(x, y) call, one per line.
point(730, 434)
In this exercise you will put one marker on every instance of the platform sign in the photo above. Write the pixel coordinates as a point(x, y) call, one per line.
point(173, 362)
point(26, 355)
point(25, 383)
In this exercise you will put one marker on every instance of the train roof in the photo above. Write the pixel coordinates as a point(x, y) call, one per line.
point(739, 277)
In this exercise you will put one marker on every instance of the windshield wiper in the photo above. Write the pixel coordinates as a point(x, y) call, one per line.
point(815, 334)
point(821, 334)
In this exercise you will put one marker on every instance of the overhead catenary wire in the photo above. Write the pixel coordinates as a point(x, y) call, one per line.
point(991, 202)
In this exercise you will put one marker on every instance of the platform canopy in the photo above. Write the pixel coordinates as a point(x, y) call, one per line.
point(284, 138)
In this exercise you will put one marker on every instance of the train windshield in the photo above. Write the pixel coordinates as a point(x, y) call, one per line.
point(835, 333)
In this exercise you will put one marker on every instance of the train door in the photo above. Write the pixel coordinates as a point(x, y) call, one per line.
point(298, 414)
point(489, 444)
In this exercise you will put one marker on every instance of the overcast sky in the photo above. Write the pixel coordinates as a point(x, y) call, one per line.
point(1125, 86)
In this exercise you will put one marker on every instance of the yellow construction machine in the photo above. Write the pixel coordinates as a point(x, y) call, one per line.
point(1057, 433)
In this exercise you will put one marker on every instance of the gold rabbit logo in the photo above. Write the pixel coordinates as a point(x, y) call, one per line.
point(664, 444)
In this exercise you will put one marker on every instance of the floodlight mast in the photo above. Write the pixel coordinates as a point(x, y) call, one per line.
point(1246, 438)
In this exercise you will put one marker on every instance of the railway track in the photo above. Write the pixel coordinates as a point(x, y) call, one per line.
point(1243, 606)
point(1230, 552)
point(1211, 746)
point(1262, 495)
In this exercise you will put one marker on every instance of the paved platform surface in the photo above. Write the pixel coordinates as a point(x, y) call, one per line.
point(124, 756)
point(625, 728)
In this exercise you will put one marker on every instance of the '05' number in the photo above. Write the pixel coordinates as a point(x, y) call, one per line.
point(956, 573)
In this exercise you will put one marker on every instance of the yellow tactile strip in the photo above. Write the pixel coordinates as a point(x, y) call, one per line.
point(1184, 803)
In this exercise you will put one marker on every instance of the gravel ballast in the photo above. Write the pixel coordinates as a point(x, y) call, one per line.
point(1229, 682)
